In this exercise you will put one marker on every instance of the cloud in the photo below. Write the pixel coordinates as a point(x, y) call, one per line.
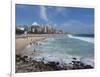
point(43, 13)
point(53, 13)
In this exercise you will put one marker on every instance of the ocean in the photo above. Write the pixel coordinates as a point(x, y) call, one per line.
point(64, 47)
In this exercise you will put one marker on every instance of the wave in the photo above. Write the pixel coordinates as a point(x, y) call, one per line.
point(47, 56)
point(62, 61)
point(87, 39)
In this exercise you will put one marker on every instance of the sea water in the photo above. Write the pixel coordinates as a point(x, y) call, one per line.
point(63, 47)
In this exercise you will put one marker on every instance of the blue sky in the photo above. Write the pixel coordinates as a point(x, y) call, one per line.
point(69, 19)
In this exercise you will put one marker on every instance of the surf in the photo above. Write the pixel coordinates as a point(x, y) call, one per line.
point(87, 39)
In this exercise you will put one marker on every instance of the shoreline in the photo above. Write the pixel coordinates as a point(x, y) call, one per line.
point(21, 42)
point(25, 62)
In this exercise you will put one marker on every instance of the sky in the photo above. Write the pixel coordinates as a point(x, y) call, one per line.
point(69, 19)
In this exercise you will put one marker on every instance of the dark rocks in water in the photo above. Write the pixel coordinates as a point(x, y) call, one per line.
point(80, 65)
point(26, 64)
point(76, 62)
point(88, 67)
point(53, 65)
point(18, 58)
point(25, 57)
point(57, 63)
point(43, 59)
point(74, 58)
point(56, 66)
point(33, 66)
point(73, 62)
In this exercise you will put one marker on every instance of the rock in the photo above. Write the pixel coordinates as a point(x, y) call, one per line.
point(25, 64)
point(88, 67)
point(25, 57)
point(18, 58)
point(74, 58)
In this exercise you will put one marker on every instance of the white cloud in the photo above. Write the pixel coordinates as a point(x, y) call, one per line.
point(43, 13)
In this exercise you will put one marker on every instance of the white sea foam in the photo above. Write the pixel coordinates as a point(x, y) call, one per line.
point(50, 39)
point(88, 39)
point(62, 58)
point(62, 61)
point(88, 61)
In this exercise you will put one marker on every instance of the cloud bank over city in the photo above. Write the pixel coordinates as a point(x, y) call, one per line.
point(69, 19)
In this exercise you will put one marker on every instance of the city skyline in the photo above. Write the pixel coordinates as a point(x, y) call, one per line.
point(70, 19)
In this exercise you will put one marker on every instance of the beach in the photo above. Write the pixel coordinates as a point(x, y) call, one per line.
point(31, 56)
point(23, 41)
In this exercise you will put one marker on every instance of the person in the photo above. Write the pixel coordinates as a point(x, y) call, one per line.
point(34, 50)
point(30, 43)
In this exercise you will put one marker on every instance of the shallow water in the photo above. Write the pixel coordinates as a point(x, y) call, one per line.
point(63, 48)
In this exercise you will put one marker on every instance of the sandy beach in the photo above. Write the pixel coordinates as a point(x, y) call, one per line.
point(26, 63)
point(23, 41)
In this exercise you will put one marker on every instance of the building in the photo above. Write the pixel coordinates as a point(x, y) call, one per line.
point(38, 29)
point(50, 28)
point(21, 28)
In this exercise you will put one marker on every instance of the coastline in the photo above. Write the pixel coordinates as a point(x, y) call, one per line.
point(25, 63)
point(23, 41)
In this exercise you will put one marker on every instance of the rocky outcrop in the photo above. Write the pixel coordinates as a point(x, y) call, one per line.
point(26, 64)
